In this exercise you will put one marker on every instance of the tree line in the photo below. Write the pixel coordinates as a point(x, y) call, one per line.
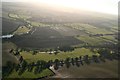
point(40, 65)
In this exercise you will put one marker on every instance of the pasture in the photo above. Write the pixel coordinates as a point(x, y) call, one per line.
point(28, 74)
point(110, 38)
point(20, 16)
point(21, 30)
point(28, 56)
point(38, 24)
point(95, 41)
point(90, 29)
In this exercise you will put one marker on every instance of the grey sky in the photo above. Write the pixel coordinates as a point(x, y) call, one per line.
point(105, 6)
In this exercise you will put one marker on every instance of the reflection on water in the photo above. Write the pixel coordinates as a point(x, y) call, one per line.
point(7, 36)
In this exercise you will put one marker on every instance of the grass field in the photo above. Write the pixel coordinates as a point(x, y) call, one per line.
point(90, 29)
point(38, 24)
point(22, 30)
point(24, 16)
point(62, 55)
point(16, 16)
point(27, 74)
point(91, 40)
point(13, 15)
point(109, 38)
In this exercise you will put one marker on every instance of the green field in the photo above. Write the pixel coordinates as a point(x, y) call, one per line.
point(22, 30)
point(20, 16)
point(38, 24)
point(62, 55)
point(90, 29)
point(27, 74)
point(91, 40)
point(109, 38)
point(13, 15)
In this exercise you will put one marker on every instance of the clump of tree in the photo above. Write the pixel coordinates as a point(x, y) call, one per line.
point(17, 53)
point(40, 66)
point(81, 61)
point(61, 62)
point(66, 48)
point(73, 61)
point(115, 56)
point(102, 58)
point(31, 66)
point(49, 63)
point(95, 58)
point(56, 64)
point(23, 67)
point(86, 59)
point(67, 62)
point(77, 61)
point(35, 52)
point(20, 59)
point(17, 67)
point(106, 53)
point(11, 51)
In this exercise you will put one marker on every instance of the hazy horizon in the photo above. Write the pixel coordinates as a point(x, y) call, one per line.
point(102, 6)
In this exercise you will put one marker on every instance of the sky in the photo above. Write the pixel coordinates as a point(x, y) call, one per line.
point(103, 6)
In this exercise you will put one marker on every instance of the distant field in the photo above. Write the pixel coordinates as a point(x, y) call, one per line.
point(21, 30)
point(38, 24)
point(27, 74)
point(16, 16)
point(94, 41)
point(110, 38)
point(62, 55)
point(109, 69)
point(90, 29)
